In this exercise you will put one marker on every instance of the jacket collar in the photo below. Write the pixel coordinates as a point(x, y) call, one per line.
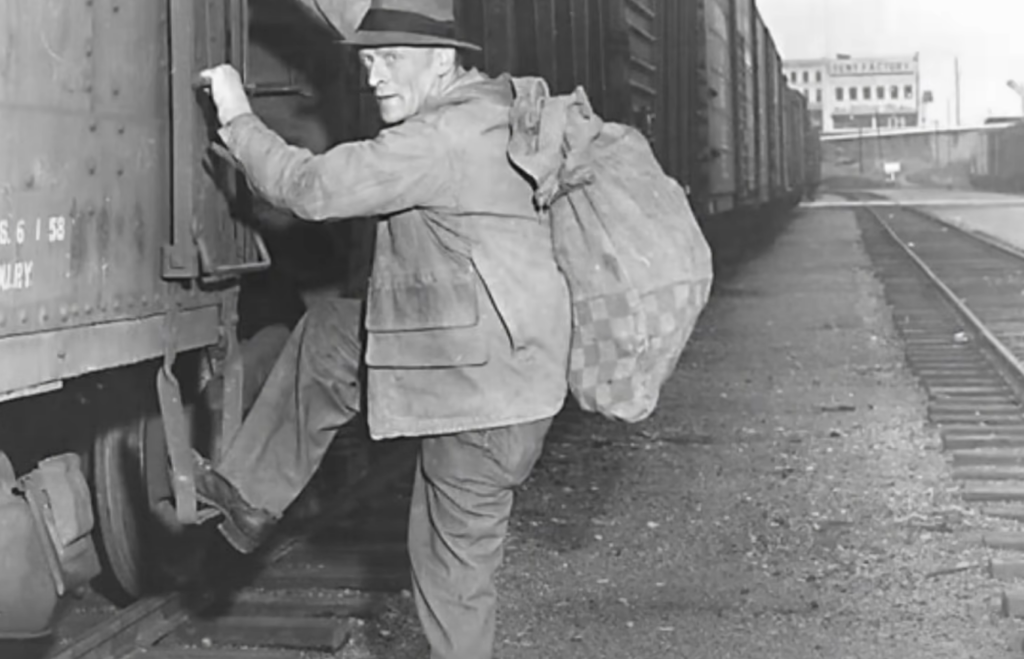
point(474, 86)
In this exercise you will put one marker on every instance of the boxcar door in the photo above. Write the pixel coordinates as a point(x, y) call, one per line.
point(208, 196)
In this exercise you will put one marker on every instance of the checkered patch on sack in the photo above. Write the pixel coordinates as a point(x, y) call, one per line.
point(624, 348)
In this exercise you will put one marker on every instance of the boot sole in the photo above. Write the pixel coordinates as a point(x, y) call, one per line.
point(235, 537)
point(242, 543)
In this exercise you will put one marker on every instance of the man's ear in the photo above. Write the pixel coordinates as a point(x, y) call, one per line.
point(445, 60)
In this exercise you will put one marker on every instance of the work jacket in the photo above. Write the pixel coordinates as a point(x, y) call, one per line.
point(468, 317)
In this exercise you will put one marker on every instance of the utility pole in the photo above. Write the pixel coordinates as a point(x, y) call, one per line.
point(956, 73)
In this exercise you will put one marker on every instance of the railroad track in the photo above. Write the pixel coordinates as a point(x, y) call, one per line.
point(301, 597)
point(957, 300)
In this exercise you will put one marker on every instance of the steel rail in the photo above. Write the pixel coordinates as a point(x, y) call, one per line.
point(976, 324)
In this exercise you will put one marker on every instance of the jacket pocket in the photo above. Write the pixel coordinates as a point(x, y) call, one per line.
point(420, 322)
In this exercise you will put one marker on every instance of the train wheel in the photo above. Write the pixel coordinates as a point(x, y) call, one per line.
point(122, 509)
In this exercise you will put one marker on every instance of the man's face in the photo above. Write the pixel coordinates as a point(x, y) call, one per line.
point(403, 78)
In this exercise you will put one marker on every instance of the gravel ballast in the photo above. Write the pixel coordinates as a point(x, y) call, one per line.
point(787, 499)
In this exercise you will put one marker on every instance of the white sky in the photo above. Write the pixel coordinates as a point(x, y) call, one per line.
point(987, 36)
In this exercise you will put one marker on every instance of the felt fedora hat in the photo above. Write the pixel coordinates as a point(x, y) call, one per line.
point(409, 23)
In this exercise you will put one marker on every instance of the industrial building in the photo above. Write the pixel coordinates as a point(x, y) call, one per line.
point(852, 94)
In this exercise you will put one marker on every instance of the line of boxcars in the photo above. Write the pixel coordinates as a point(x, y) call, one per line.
point(702, 78)
point(123, 245)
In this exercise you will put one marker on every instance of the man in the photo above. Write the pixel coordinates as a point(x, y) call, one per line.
point(467, 316)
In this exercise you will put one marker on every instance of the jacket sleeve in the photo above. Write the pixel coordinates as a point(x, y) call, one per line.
point(404, 167)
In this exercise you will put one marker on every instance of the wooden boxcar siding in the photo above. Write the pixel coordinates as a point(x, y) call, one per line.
point(635, 58)
point(676, 119)
point(776, 84)
point(643, 59)
point(764, 100)
point(569, 43)
point(745, 89)
point(721, 139)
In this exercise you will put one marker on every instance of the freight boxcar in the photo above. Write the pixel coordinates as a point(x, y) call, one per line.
point(119, 237)
point(122, 242)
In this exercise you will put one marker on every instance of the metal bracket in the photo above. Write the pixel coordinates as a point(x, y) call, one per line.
point(179, 258)
point(177, 430)
point(179, 262)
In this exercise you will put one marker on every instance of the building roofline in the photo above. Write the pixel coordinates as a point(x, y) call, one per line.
point(852, 134)
point(852, 58)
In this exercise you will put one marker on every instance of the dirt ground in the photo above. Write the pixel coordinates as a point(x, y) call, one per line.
point(787, 499)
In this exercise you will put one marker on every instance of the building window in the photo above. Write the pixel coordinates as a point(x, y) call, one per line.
point(817, 76)
point(894, 92)
point(867, 93)
point(807, 77)
point(839, 93)
point(908, 91)
point(853, 93)
point(817, 96)
point(880, 93)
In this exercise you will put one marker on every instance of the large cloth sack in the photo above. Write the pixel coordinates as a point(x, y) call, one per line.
point(638, 267)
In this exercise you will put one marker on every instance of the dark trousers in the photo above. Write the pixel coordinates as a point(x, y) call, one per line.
point(462, 495)
point(312, 391)
point(458, 523)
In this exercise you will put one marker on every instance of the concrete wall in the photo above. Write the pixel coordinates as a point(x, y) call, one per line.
point(918, 152)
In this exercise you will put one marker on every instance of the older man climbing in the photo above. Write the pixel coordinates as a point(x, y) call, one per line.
point(467, 320)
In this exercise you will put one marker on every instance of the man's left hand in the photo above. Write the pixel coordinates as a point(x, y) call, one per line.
point(227, 91)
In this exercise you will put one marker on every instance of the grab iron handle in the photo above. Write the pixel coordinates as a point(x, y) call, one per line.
point(209, 272)
point(259, 90)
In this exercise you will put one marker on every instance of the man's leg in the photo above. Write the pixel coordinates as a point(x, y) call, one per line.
point(458, 522)
point(312, 391)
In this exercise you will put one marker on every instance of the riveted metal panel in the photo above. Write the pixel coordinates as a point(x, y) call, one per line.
point(41, 360)
point(84, 161)
point(85, 195)
point(46, 54)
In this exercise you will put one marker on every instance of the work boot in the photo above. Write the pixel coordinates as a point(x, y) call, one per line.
point(244, 527)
